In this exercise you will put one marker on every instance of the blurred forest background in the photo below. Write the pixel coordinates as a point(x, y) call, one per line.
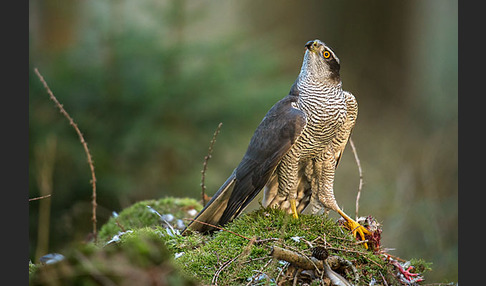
point(148, 81)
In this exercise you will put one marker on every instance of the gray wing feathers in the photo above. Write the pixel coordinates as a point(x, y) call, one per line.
point(271, 141)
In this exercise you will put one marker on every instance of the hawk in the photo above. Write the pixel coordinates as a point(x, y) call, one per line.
point(295, 150)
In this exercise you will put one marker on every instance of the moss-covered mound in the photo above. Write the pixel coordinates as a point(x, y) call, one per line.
point(141, 259)
point(148, 214)
point(241, 254)
point(130, 250)
point(142, 246)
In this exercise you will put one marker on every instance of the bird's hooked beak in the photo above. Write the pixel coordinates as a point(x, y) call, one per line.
point(313, 45)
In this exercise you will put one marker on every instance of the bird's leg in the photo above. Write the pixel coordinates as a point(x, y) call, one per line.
point(294, 208)
point(355, 227)
point(313, 173)
point(287, 182)
point(293, 188)
point(326, 195)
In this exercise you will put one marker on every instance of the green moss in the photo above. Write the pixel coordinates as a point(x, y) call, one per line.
point(235, 256)
point(139, 258)
point(32, 268)
point(420, 265)
point(138, 215)
point(274, 227)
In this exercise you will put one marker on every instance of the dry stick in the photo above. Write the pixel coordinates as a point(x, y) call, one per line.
point(384, 280)
point(296, 259)
point(311, 263)
point(360, 187)
point(282, 270)
point(40, 198)
point(355, 251)
point(214, 281)
point(83, 142)
point(388, 256)
point(251, 282)
point(244, 252)
point(205, 164)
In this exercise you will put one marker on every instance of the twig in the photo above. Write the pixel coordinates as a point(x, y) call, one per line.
point(383, 278)
point(296, 277)
point(120, 226)
point(258, 259)
point(339, 261)
point(40, 198)
point(360, 187)
point(358, 252)
point(260, 241)
point(243, 253)
point(296, 259)
point(218, 227)
point(83, 142)
point(205, 164)
point(388, 256)
point(335, 278)
point(217, 258)
point(287, 264)
point(311, 263)
point(214, 281)
point(259, 271)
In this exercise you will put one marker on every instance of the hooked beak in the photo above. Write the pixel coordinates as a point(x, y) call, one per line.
point(312, 45)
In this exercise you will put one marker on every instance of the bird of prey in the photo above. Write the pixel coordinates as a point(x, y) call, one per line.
point(295, 150)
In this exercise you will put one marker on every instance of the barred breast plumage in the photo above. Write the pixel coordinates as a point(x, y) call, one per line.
point(294, 151)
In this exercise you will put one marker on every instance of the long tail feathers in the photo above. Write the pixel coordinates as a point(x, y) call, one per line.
point(214, 209)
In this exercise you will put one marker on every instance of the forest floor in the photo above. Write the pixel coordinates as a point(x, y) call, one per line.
point(142, 245)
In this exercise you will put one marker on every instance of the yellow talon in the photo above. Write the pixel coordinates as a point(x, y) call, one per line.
point(356, 228)
point(294, 208)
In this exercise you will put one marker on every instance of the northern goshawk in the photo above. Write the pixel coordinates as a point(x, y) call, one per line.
point(295, 150)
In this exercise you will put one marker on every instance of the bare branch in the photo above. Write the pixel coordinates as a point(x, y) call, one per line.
point(83, 142)
point(296, 259)
point(205, 164)
point(243, 253)
point(214, 281)
point(360, 187)
point(40, 198)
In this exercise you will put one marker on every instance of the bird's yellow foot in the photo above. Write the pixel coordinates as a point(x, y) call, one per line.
point(356, 228)
point(293, 206)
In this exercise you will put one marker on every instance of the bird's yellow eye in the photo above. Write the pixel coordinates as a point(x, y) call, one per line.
point(326, 54)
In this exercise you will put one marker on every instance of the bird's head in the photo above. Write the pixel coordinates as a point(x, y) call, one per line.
point(320, 63)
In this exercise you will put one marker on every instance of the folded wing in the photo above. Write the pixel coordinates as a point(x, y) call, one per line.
point(272, 139)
